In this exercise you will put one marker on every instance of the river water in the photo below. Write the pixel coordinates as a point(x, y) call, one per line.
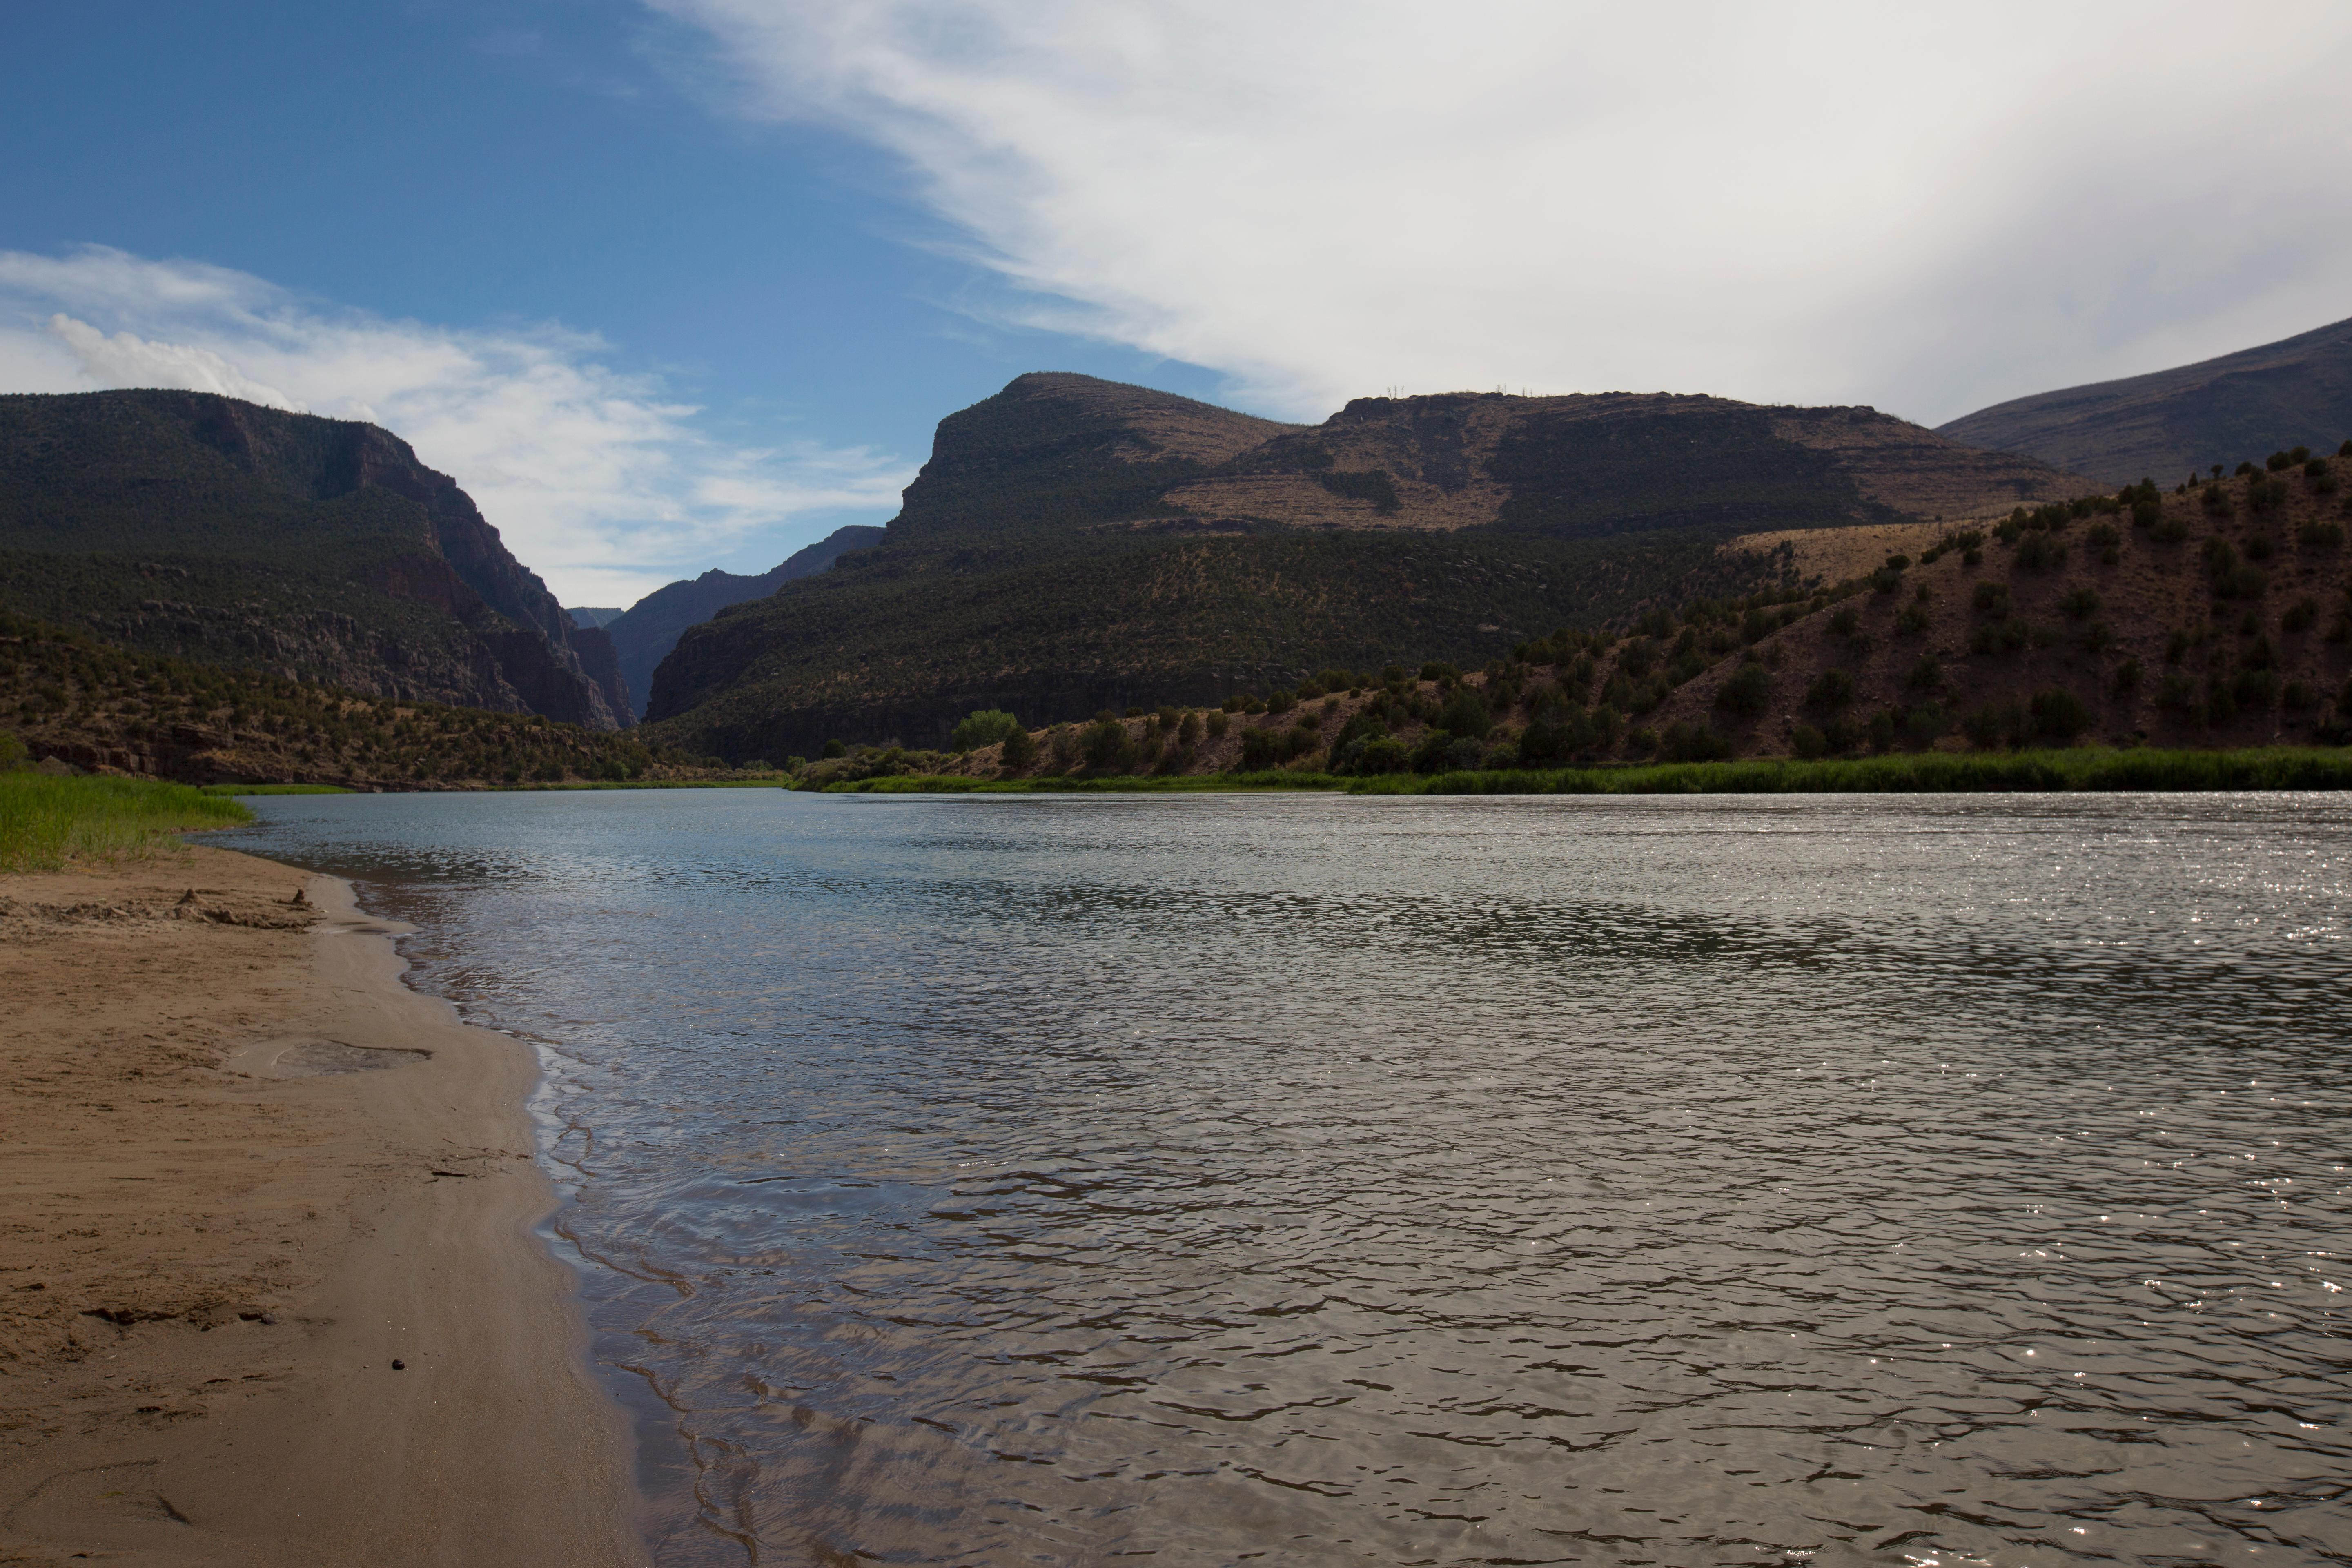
point(1321, 1180)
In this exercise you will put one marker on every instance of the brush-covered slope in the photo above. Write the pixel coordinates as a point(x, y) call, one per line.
point(1075, 543)
point(2294, 391)
point(103, 708)
point(644, 634)
point(206, 528)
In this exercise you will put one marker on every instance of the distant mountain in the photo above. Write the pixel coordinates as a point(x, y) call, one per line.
point(644, 634)
point(2296, 392)
point(201, 527)
point(594, 617)
point(1075, 543)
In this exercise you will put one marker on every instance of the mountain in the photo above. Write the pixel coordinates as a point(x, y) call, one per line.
point(644, 634)
point(1075, 543)
point(2214, 616)
point(2296, 392)
point(593, 618)
point(199, 526)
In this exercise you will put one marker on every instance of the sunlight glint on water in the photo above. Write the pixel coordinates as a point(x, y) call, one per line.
point(1428, 1181)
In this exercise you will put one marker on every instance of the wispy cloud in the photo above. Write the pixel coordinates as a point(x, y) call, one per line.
point(1928, 207)
point(600, 480)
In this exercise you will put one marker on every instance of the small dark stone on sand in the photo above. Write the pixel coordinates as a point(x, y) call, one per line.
point(399, 1365)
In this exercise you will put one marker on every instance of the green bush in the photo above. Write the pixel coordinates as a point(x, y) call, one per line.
point(1107, 749)
point(1830, 691)
point(2080, 604)
point(1845, 623)
point(1688, 742)
point(1926, 674)
point(1020, 751)
point(983, 727)
point(1991, 599)
point(1749, 691)
point(1807, 743)
point(2059, 715)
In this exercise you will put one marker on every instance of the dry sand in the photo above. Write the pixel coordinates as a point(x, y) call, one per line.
point(224, 1220)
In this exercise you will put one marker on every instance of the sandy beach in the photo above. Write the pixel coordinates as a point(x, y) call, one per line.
point(268, 1291)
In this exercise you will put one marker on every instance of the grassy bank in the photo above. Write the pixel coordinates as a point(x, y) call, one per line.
point(274, 789)
point(47, 822)
point(2086, 768)
point(1181, 783)
point(2083, 768)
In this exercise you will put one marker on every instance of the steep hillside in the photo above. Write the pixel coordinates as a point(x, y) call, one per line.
point(199, 526)
point(81, 702)
point(643, 635)
point(1073, 545)
point(2175, 422)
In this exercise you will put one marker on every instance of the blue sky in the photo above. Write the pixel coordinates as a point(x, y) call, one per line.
point(674, 283)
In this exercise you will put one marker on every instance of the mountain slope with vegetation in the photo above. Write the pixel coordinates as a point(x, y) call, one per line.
point(2216, 617)
point(76, 704)
point(205, 528)
point(2297, 391)
point(1074, 545)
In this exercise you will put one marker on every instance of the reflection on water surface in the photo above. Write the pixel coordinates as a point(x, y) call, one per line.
point(1431, 1181)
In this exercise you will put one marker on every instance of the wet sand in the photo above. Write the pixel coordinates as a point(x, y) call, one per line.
point(242, 1172)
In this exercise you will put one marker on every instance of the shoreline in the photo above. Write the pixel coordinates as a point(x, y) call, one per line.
point(227, 1218)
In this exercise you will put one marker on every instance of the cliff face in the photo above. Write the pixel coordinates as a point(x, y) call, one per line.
point(281, 518)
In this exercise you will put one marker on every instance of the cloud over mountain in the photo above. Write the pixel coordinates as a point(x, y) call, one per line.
point(600, 480)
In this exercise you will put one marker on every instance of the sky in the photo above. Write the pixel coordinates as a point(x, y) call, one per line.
point(670, 284)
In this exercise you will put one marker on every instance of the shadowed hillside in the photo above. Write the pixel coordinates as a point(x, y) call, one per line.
point(2175, 422)
point(1073, 545)
point(200, 526)
point(643, 635)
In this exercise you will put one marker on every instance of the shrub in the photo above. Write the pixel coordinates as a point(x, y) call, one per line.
point(2279, 460)
point(1261, 748)
point(2299, 697)
point(1280, 701)
point(2255, 689)
point(1465, 714)
point(1020, 751)
point(1832, 690)
point(1926, 675)
point(1688, 742)
point(2059, 715)
point(1385, 755)
point(2300, 616)
point(1107, 748)
point(2000, 636)
point(1188, 729)
point(2217, 501)
point(1912, 621)
point(2320, 535)
point(1993, 725)
point(1748, 692)
point(2103, 536)
point(985, 727)
point(1642, 743)
point(1218, 721)
point(1429, 757)
point(1442, 673)
point(1807, 743)
point(1463, 754)
point(2171, 530)
point(2127, 676)
point(2040, 553)
point(1886, 580)
point(1991, 599)
point(2259, 547)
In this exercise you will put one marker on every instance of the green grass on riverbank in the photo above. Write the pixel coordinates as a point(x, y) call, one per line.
point(2083, 768)
point(47, 822)
point(1181, 783)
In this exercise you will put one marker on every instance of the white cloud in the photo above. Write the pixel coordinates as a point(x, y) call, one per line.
point(1928, 208)
point(598, 480)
